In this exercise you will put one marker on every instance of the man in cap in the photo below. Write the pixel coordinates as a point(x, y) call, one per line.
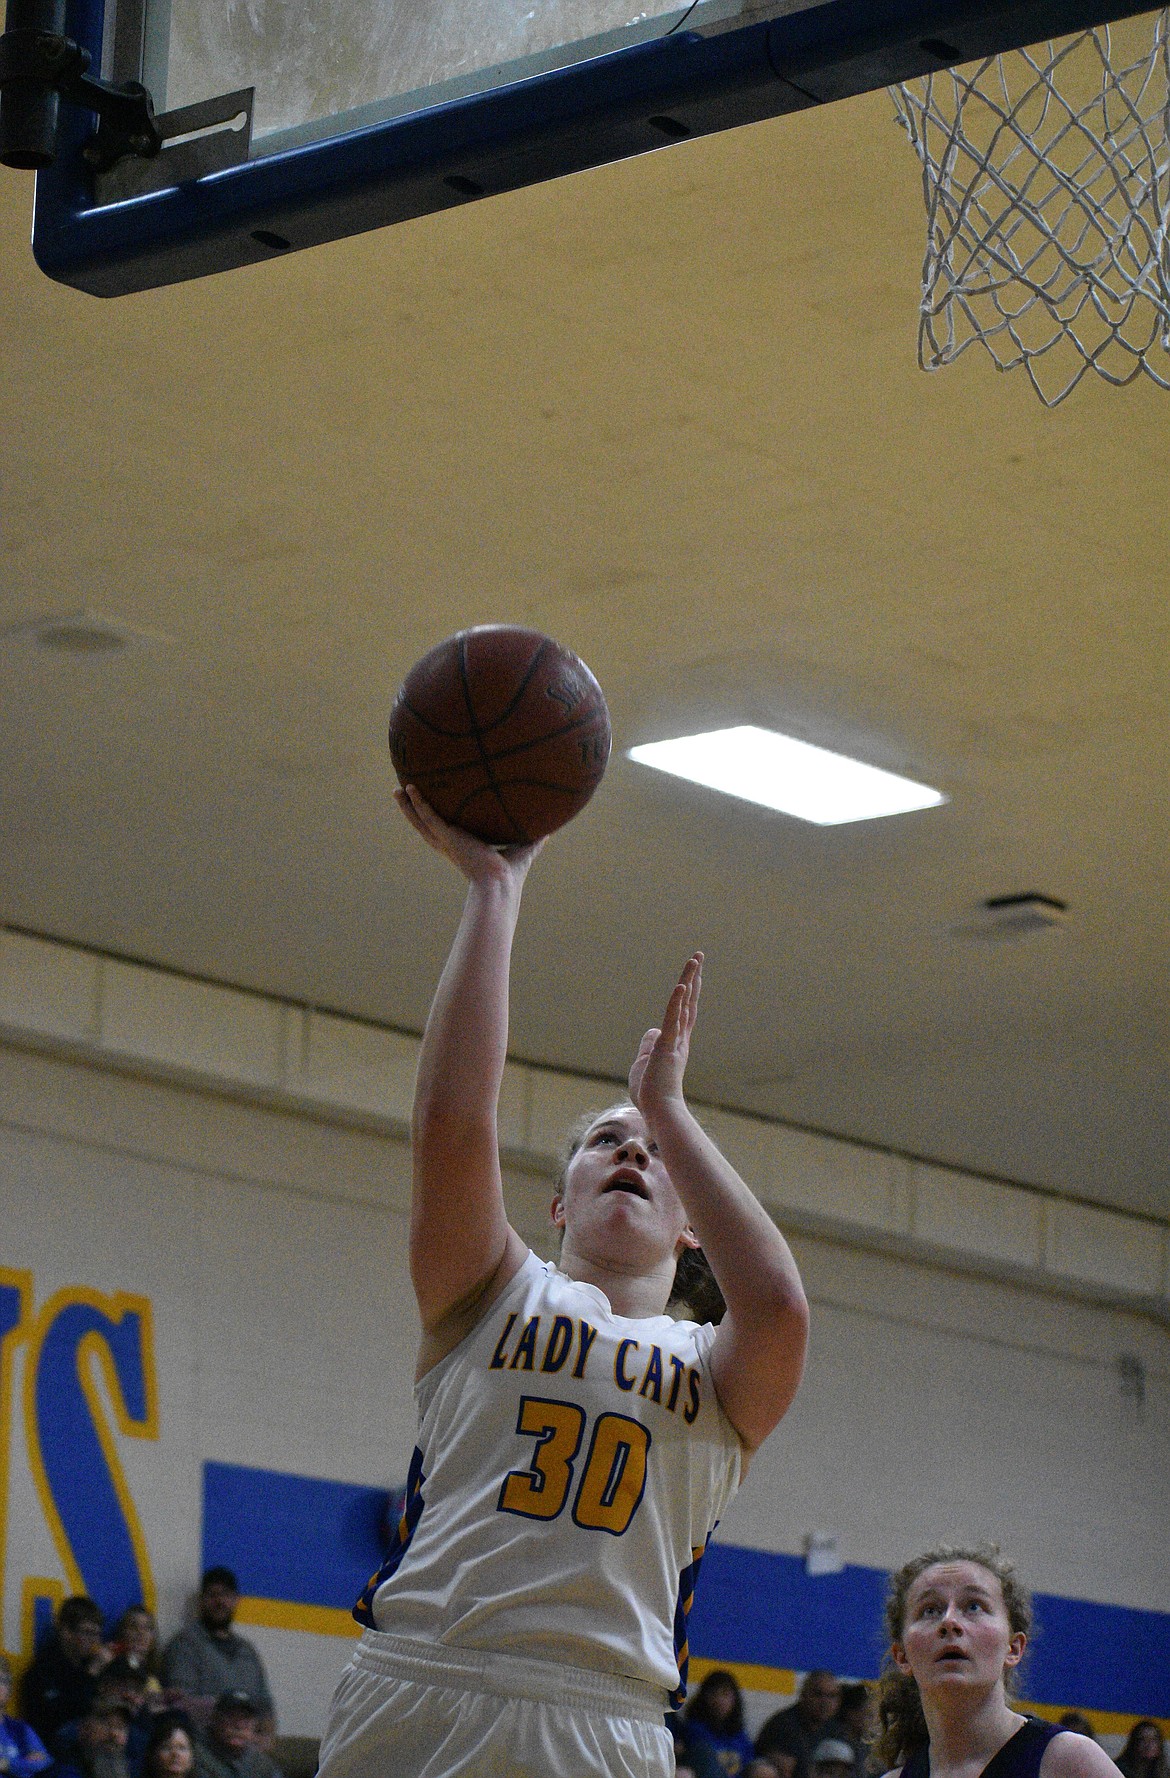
point(833, 1758)
point(99, 1750)
point(228, 1749)
point(117, 1683)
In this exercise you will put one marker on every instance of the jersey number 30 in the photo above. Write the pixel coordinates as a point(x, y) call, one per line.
point(613, 1477)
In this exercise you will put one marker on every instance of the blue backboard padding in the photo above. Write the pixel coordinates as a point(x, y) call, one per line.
point(538, 128)
point(291, 1537)
point(311, 1542)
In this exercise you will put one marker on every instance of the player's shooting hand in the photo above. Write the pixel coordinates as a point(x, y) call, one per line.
point(656, 1077)
point(477, 861)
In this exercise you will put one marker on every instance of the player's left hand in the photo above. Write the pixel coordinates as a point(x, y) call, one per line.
point(656, 1077)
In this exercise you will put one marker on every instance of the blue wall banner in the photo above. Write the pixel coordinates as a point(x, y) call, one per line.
point(294, 1538)
point(295, 1541)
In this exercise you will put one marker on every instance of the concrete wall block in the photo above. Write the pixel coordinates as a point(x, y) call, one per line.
point(285, 1338)
point(798, 1170)
point(1099, 1247)
point(48, 988)
point(361, 1067)
point(195, 1026)
point(979, 1216)
point(556, 1101)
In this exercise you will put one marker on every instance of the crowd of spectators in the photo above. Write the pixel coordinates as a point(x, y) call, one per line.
point(828, 1733)
point(202, 1708)
point(123, 1708)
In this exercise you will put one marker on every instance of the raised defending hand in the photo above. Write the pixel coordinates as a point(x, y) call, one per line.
point(656, 1077)
point(477, 861)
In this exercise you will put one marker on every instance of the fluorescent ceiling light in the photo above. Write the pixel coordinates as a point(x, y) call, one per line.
point(808, 782)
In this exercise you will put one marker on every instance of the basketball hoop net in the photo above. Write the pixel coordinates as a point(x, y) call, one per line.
point(1046, 174)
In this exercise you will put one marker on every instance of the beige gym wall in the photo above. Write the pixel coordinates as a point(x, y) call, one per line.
point(270, 1246)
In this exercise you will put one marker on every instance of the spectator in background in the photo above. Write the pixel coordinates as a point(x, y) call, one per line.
point(228, 1749)
point(117, 1683)
point(759, 1767)
point(1144, 1753)
point(99, 1748)
point(136, 1640)
point(22, 1753)
point(690, 1762)
point(59, 1686)
point(857, 1722)
point(170, 1752)
point(208, 1658)
point(120, 1683)
point(789, 1738)
point(713, 1720)
point(1078, 1723)
point(833, 1758)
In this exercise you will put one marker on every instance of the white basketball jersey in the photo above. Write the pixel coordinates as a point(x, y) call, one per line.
point(571, 1465)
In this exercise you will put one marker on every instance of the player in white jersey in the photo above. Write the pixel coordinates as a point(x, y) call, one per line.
point(577, 1444)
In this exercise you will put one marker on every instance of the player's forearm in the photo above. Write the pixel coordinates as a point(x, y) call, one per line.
point(752, 1262)
point(465, 1044)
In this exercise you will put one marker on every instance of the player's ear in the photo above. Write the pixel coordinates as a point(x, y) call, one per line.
point(898, 1656)
point(557, 1211)
point(1016, 1647)
point(688, 1238)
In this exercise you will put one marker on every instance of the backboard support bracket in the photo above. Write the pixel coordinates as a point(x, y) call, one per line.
point(42, 67)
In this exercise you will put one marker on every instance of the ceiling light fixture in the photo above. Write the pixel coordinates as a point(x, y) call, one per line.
point(782, 773)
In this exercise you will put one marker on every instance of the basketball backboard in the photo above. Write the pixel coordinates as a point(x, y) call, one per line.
point(293, 125)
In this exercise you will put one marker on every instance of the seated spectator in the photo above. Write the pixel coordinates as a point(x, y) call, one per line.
point(209, 1658)
point(789, 1737)
point(22, 1752)
point(833, 1758)
point(759, 1767)
point(117, 1683)
point(856, 1722)
point(713, 1719)
point(1144, 1753)
point(170, 1752)
point(126, 1685)
point(99, 1748)
point(135, 1638)
point(696, 1762)
point(59, 1686)
point(1078, 1723)
point(228, 1749)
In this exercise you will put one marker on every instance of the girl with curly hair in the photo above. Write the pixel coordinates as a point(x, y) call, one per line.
point(959, 1621)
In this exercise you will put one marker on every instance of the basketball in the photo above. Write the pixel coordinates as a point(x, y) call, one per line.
point(504, 732)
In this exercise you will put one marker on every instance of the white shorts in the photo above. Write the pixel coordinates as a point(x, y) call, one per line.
point(406, 1709)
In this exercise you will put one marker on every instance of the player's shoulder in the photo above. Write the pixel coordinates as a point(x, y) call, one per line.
point(1069, 1755)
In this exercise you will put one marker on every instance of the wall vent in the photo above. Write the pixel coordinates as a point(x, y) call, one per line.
point(1014, 916)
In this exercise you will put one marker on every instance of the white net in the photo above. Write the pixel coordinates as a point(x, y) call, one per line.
point(1046, 174)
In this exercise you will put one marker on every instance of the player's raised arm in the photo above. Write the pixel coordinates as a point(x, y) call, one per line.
point(462, 1249)
point(758, 1357)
